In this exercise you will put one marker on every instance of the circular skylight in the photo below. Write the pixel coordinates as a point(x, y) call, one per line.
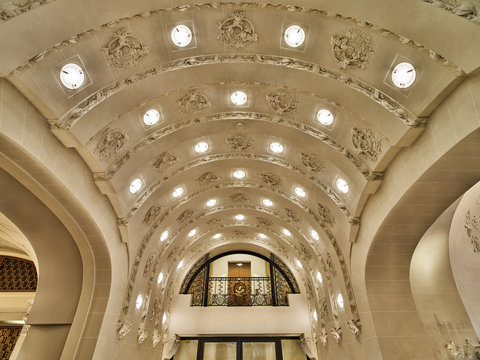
point(139, 301)
point(72, 76)
point(217, 236)
point(239, 174)
point(164, 235)
point(276, 147)
point(179, 266)
point(211, 202)
point(240, 217)
point(160, 278)
point(239, 98)
point(342, 185)
point(178, 192)
point(262, 236)
point(314, 234)
point(181, 35)
point(267, 202)
point(325, 117)
point(319, 277)
point(201, 147)
point(135, 186)
point(151, 117)
point(299, 264)
point(403, 75)
point(300, 191)
point(286, 232)
point(294, 36)
point(340, 300)
point(192, 233)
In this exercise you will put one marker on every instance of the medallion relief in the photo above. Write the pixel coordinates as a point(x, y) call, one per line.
point(352, 49)
point(239, 142)
point(164, 161)
point(152, 214)
point(282, 102)
point(185, 215)
point(207, 178)
point(366, 143)
point(214, 221)
point(110, 143)
point(336, 333)
point(313, 162)
point(292, 215)
point(355, 327)
point(325, 215)
point(236, 30)
point(193, 103)
point(264, 221)
point(124, 50)
point(239, 197)
point(271, 179)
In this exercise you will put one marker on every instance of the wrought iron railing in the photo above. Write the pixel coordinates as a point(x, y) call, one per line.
point(239, 291)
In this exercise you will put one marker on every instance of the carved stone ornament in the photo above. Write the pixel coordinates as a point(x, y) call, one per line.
point(325, 215)
point(271, 179)
point(236, 30)
point(331, 265)
point(292, 215)
point(156, 338)
point(313, 162)
point(149, 266)
point(466, 9)
point(214, 221)
point(239, 142)
point(282, 102)
point(123, 328)
point(355, 327)
point(142, 334)
point(185, 215)
point(240, 232)
point(152, 214)
point(323, 337)
point(264, 221)
point(352, 49)
point(239, 197)
point(164, 160)
point(366, 142)
point(170, 346)
point(336, 333)
point(10, 9)
point(472, 227)
point(324, 308)
point(207, 178)
point(110, 143)
point(124, 50)
point(462, 352)
point(193, 103)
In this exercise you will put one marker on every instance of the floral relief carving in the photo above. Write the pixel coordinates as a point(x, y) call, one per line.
point(325, 215)
point(10, 9)
point(271, 179)
point(352, 49)
point(366, 142)
point(239, 197)
point(462, 352)
point(240, 232)
point(185, 215)
point(292, 215)
point(142, 335)
point(236, 30)
point(123, 328)
point(264, 221)
point(152, 214)
point(330, 265)
point(472, 227)
point(207, 178)
point(239, 142)
point(324, 309)
point(313, 162)
point(214, 221)
point(164, 160)
point(466, 8)
point(355, 327)
point(110, 143)
point(336, 333)
point(193, 103)
point(323, 337)
point(282, 101)
point(124, 49)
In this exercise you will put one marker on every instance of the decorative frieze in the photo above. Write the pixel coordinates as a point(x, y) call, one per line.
point(366, 143)
point(152, 214)
point(207, 178)
point(123, 328)
point(193, 103)
point(124, 50)
point(325, 214)
point(185, 215)
point(109, 144)
point(466, 351)
point(292, 215)
point(236, 30)
point(239, 197)
point(352, 49)
point(323, 308)
point(142, 335)
point(355, 327)
point(282, 101)
point(10, 9)
point(264, 221)
point(472, 227)
point(313, 162)
point(240, 142)
point(271, 179)
point(336, 333)
point(465, 8)
point(164, 161)
point(330, 265)
point(323, 338)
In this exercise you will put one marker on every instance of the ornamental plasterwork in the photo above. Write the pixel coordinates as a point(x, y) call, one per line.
point(185, 215)
point(292, 215)
point(142, 335)
point(330, 265)
point(469, 10)
point(214, 221)
point(352, 49)
point(150, 266)
point(326, 215)
point(193, 103)
point(472, 227)
point(10, 9)
point(324, 309)
point(264, 221)
point(282, 101)
point(207, 178)
point(239, 197)
point(271, 179)
point(366, 143)
point(236, 30)
point(323, 338)
point(110, 143)
point(124, 50)
point(123, 328)
point(152, 214)
point(336, 333)
point(164, 160)
point(313, 162)
point(461, 352)
point(239, 142)
point(355, 327)
point(238, 232)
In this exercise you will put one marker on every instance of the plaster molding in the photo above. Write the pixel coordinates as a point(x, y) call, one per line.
point(193, 102)
point(352, 49)
point(366, 143)
point(124, 50)
point(236, 30)
point(472, 227)
point(13, 8)
point(282, 101)
point(465, 9)
point(109, 144)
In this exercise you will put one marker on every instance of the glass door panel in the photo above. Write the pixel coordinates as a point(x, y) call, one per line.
point(187, 350)
point(292, 350)
point(220, 351)
point(259, 351)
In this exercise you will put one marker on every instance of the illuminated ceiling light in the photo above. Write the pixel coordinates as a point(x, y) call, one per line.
point(139, 301)
point(151, 117)
point(135, 186)
point(403, 75)
point(276, 147)
point(181, 35)
point(342, 185)
point(239, 174)
point(72, 76)
point(294, 36)
point(314, 234)
point(164, 318)
point(267, 202)
point(300, 191)
point(286, 232)
point(262, 236)
point(240, 217)
point(315, 315)
point(164, 235)
point(319, 277)
point(217, 236)
point(160, 278)
point(192, 233)
point(299, 264)
point(239, 264)
point(201, 147)
point(178, 192)
point(180, 264)
point(238, 98)
point(325, 117)
point(340, 301)
point(211, 202)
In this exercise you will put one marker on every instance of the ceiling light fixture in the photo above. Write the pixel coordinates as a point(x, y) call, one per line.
point(325, 117)
point(211, 202)
point(239, 174)
point(319, 277)
point(262, 236)
point(403, 75)
point(300, 191)
point(164, 235)
point(314, 234)
point(192, 233)
point(240, 217)
point(217, 236)
point(294, 36)
point(178, 192)
point(238, 98)
point(276, 147)
point(72, 76)
point(139, 301)
point(151, 117)
point(160, 278)
point(180, 264)
point(267, 202)
point(342, 185)
point(315, 315)
point(135, 186)
point(201, 147)
point(299, 264)
point(164, 318)
point(340, 301)
point(181, 35)
point(286, 232)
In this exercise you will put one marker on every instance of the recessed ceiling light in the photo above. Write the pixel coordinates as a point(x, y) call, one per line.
point(192, 233)
point(300, 191)
point(267, 202)
point(160, 278)
point(239, 174)
point(403, 75)
point(314, 234)
point(340, 301)
point(315, 315)
point(72, 76)
point(238, 98)
point(151, 117)
point(319, 277)
point(325, 117)
point(180, 264)
point(240, 217)
point(294, 36)
point(286, 232)
point(211, 202)
point(262, 236)
point(135, 186)
point(164, 317)
point(276, 147)
point(139, 301)
point(342, 185)
point(181, 35)
point(217, 236)
point(178, 192)
point(299, 264)
point(201, 147)
point(164, 235)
